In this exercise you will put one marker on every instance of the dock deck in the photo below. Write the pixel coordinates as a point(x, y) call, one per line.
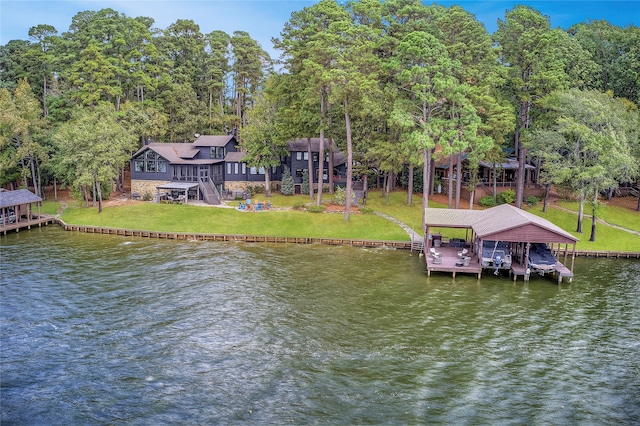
point(24, 223)
point(450, 263)
point(518, 270)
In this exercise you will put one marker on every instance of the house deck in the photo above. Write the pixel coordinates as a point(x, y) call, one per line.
point(450, 262)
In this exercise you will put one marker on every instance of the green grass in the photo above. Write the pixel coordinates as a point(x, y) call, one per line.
point(299, 223)
point(615, 215)
point(607, 238)
point(50, 207)
point(212, 220)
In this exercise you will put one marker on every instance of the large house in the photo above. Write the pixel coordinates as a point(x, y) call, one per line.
point(213, 167)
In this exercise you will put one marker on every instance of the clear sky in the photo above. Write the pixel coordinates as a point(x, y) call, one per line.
point(264, 19)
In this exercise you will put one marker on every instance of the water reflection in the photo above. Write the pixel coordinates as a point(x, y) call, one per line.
point(103, 329)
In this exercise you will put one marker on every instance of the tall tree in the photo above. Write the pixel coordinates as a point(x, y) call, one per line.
point(92, 149)
point(260, 137)
point(529, 48)
point(21, 128)
point(594, 133)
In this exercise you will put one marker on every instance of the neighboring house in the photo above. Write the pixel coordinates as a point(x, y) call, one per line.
point(506, 173)
point(213, 166)
point(297, 162)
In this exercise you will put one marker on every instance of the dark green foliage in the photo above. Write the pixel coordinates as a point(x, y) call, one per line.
point(305, 182)
point(287, 187)
point(487, 201)
point(532, 201)
point(315, 208)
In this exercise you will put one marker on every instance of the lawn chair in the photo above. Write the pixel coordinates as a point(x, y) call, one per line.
point(268, 205)
point(259, 207)
point(248, 203)
point(462, 254)
point(241, 206)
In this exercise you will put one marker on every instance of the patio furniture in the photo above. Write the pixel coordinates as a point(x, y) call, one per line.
point(463, 253)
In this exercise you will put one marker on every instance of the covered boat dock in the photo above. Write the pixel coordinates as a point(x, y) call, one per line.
point(517, 228)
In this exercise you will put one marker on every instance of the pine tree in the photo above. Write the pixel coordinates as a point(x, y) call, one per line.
point(305, 182)
point(287, 183)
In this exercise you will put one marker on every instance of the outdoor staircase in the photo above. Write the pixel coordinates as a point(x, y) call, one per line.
point(209, 192)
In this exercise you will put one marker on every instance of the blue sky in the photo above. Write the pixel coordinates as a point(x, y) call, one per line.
point(264, 19)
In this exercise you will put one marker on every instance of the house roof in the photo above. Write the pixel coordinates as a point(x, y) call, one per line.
point(504, 222)
point(17, 197)
point(236, 156)
point(178, 153)
point(509, 164)
point(212, 140)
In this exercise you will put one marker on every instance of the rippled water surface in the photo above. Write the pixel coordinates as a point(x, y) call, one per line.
point(100, 329)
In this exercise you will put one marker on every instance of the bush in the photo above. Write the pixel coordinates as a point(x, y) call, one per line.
point(305, 182)
point(288, 187)
point(507, 197)
point(147, 196)
point(487, 201)
point(532, 201)
point(340, 196)
point(315, 208)
point(298, 205)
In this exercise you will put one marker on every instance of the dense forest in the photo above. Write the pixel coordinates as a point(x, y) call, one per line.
point(393, 84)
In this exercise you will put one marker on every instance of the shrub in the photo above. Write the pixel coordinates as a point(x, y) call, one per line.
point(255, 189)
point(532, 201)
point(305, 182)
point(298, 205)
point(340, 196)
point(316, 208)
point(287, 183)
point(487, 201)
point(147, 196)
point(507, 197)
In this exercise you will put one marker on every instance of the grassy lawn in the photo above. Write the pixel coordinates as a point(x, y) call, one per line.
point(213, 220)
point(616, 215)
point(50, 207)
point(299, 223)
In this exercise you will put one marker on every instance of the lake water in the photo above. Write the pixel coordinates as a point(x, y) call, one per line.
point(99, 329)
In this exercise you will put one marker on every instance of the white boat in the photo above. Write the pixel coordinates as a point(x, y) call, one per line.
point(496, 255)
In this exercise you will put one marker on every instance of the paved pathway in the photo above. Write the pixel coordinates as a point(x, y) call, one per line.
point(415, 237)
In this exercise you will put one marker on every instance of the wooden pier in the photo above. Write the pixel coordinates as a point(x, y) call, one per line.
point(25, 223)
point(450, 262)
point(561, 272)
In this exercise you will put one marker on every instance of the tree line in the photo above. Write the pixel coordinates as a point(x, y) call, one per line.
point(395, 85)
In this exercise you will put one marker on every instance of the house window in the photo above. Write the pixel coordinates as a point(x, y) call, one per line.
point(299, 172)
point(298, 155)
point(305, 155)
point(217, 152)
point(315, 157)
point(229, 168)
point(235, 166)
point(253, 171)
point(244, 168)
point(261, 170)
point(150, 162)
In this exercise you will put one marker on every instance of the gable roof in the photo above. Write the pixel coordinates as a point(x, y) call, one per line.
point(236, 156)
point(17, 197)
point(212, 140)
point(504, 222)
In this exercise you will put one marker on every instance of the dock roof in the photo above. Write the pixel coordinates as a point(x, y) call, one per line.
point(17, 198)
point(502, 223)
